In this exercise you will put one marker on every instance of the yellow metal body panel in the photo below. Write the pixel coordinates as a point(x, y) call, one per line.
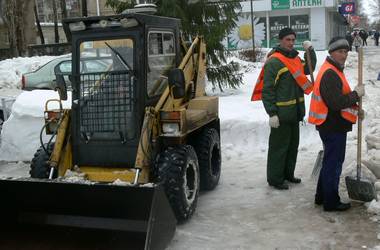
point(66, 161)
point(60, 140)
point(106, 174)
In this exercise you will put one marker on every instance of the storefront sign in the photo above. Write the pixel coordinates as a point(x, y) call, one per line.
point(300, 24)
point(276, 24)
point(280, 4)
point(297, 4)
point(347, 8)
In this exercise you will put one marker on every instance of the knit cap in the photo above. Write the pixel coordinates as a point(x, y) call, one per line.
point(338, 42)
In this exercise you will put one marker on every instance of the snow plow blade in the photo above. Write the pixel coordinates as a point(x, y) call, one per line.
point(143, 211)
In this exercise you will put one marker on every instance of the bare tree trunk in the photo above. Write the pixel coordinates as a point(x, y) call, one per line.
point(63, 8)
point(2, 9)
point(10, 20)
point(28, 28)
point(20, 24)
point(84, 7)
point(56, 34)
point(40, 33)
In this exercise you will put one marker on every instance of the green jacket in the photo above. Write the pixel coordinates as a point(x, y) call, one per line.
point(281, 94)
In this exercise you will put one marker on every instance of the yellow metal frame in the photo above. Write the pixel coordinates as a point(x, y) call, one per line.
point(192, 65)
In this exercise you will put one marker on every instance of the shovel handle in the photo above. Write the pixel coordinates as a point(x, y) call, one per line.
point(360, 82)
point(308, 61)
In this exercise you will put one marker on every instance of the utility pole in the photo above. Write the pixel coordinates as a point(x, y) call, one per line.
point(253, 28)
point(84, 7)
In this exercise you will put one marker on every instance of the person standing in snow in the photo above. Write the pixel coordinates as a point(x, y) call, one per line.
point(281, 86)
point(376, 36)
point(363, 35)
point(333, 110)
point(349, 39)
point(357, 41)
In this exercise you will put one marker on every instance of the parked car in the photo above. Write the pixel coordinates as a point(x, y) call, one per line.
point(44, 77)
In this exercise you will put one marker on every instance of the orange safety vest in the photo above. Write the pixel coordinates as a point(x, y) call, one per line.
point(318, 109)
point(295, 67)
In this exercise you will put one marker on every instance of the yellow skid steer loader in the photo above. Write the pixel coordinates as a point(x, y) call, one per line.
point(139, 142)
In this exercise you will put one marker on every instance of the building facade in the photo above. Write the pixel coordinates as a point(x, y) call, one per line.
point(314, 20)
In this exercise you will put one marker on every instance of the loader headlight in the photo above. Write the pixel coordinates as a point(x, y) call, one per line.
point(170, 128)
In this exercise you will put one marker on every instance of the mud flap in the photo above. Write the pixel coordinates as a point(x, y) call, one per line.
point(360, 189)
point(140, 210)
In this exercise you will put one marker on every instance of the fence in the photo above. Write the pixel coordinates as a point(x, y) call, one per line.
point(54, 49)
point(5, 53)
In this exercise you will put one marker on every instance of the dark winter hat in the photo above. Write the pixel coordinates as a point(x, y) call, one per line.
point(286, 31)
point(338, 42)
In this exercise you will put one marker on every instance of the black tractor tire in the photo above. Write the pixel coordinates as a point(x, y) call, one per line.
point(39, 168)
point(177, 170)
point(209, 158)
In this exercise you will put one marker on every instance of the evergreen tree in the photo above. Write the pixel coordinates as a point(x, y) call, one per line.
point(118, 6)
point(212, 19)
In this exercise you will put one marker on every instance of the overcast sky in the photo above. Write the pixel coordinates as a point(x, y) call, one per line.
point(371, 9)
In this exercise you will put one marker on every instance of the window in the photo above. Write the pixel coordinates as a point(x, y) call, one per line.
point(65, 67)
point(161, 58)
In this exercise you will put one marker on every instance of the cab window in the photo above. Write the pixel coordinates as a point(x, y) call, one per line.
point(161, 58)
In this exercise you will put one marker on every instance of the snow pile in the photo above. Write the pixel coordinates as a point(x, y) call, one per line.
point(20, 136)
point(14, 170)
point(373, 207)
point(75, 176)
point(11, 70)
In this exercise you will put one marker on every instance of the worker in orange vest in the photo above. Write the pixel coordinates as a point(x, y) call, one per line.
point(281, 86)
point(333, 110)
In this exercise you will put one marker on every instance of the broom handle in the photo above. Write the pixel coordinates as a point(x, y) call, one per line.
point(308, 60)
point(360, 82)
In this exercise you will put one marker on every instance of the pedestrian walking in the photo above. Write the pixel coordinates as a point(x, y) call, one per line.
point(363, 35)
point(357, 41)
point(349, 40)
point(333, 109)
point(376, 36)
point(281, 85)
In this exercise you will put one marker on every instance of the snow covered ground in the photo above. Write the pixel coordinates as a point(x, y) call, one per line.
point(243, 212)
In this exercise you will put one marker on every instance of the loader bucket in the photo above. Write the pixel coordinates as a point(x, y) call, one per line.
point(140, 213)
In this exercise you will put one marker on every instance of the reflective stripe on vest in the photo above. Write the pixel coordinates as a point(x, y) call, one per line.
point(318, 109)
point(291, 102)
point(296, 69)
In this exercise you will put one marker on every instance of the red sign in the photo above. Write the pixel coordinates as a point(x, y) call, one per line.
point(355, 19)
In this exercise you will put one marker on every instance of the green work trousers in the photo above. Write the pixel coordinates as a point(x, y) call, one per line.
point(282, 152)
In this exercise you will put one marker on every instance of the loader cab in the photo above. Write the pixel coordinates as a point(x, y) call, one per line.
point(138, 50)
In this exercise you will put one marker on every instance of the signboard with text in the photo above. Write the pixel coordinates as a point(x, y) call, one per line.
point(300, 25)
point(299, 4)
point(296, 4)
point(280, 4)
point(276, 23)
point(347, 8)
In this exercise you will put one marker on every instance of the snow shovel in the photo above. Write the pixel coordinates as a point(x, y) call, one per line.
point(318, 162)
point(359, 188)
point(317, 165)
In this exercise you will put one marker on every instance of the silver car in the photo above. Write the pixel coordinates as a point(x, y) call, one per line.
point(44, 76)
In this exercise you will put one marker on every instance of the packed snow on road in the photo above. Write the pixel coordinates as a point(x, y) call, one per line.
point(243, 212)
